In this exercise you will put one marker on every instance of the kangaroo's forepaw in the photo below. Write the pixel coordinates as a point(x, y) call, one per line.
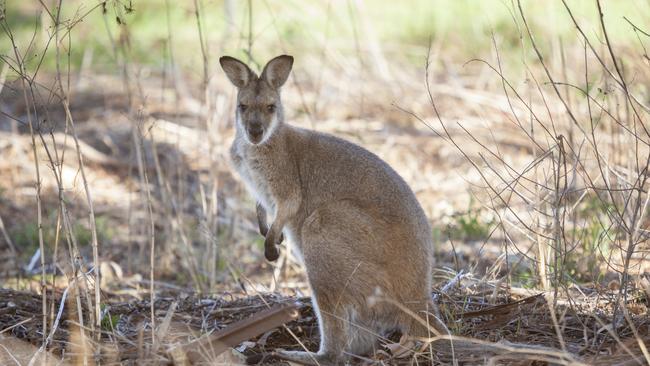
point(271, 253)
point(263, 230)
point(270, 250)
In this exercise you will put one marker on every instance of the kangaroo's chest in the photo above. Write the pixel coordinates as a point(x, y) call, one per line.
point(251, 169)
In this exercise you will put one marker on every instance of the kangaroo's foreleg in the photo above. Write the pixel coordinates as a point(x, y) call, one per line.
point(284, 212)
point(264, 228)
point(261, 219)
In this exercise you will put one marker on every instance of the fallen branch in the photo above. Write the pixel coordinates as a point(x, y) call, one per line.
point(216, 343)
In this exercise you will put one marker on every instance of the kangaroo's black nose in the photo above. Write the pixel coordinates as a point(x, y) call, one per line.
point(255, 131)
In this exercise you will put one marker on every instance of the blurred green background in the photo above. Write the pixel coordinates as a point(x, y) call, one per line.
point(151, 28)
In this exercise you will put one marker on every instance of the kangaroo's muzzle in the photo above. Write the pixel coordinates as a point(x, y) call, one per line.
point(255, 133)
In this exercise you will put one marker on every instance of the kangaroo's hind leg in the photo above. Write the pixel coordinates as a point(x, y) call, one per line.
point(331, 313)
point(342, 274)
point(333, 330)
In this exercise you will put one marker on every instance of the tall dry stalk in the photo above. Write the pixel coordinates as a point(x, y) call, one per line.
point(64, 94)
point(137, 140)
point(210, 200)
point(26, 85)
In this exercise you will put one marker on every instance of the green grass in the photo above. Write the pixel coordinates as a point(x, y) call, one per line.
point(525, 277)
point(109, 322)
point(468, 226)
point(593, 240)
point(25, 236)
point(296, 27)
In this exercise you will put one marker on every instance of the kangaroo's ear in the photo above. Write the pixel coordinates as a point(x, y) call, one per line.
point(238, 73)
point(277, 71)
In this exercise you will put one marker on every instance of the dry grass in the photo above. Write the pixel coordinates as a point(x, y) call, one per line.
point(489, 322)
point(533, 169)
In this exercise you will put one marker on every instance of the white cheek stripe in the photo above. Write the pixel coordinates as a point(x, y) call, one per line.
point(272, 127)
point(240, 124)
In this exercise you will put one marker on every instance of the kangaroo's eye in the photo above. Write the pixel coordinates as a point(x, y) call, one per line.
point(242, 107)
point(270, 108)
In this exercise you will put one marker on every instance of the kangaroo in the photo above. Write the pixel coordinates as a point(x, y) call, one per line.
point(353, 221)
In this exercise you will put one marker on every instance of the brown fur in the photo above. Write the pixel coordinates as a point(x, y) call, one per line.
point(354, 221)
